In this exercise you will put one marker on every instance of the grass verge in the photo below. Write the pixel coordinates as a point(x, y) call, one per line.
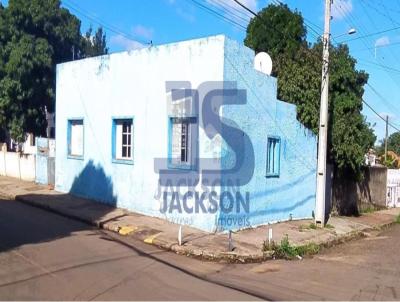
point(313, 226)
point(285, 250)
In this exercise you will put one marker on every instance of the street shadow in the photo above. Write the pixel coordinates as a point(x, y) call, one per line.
point(22, 224)
point(351, 197)
point(365, 191)
point(345, 197)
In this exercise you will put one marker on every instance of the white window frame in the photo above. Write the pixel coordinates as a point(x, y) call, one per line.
point(181, 148)
point(123, 146)
point(75, 138)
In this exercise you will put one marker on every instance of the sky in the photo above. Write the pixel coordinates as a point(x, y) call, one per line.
point(132, 24)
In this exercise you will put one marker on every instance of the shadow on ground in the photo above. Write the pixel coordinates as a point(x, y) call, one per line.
point(92, 183)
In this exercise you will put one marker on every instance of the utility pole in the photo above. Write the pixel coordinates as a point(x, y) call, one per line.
point(386, 135)
point(323, 123)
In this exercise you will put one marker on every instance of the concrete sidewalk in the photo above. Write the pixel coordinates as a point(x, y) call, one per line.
point(248, 243)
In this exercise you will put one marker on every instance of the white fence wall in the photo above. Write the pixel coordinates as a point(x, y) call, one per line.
point(393, 188)
point(17, 165)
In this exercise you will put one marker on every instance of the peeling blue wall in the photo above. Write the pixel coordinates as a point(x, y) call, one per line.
point(133, 84)
point(272, 199)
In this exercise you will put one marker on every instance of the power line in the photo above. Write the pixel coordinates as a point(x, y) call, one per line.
point(392, 107)
point(246, 8)
point(379, 64)
point(82, 12)
point(380, 116)
point(228, 11)
point(383, 67)
point(318, 35)
point(306, 21)
point(371, 34)
point(276, 2)
point(236, 9)
point(215, 13)
point(377, 46)
point(373, 23)
point(385, 14)
point(261, 103)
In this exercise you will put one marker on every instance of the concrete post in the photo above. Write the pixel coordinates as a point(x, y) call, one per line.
point(323, 123)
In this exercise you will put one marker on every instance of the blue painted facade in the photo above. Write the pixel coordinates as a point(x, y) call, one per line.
point(291, 194)
point(133, 85)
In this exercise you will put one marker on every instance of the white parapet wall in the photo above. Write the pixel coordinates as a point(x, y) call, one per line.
point(14, 164)
point(393, 188)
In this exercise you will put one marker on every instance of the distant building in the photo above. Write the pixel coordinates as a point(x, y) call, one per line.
point(27, 147)
point(371, 158)
point(51, 124)
point(188, 132)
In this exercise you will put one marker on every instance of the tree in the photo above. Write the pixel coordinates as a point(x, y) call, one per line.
point(35, 35)
point(298, 68)
point(276, 30)
point(393, 143)
point(94, 45)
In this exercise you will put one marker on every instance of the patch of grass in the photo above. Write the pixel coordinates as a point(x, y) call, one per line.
point(398, 219)
point(329, 226)
point(308, 249)
point(366, 210)
point(285, 250)
point(313, 226)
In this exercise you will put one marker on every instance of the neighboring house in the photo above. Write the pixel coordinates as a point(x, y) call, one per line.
point(370, 158)
point(51, 124)
point(393, 188)
point(27, 147)
point(127, 134)
point(18, 159)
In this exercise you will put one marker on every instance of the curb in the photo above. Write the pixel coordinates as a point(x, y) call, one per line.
point(199, 253)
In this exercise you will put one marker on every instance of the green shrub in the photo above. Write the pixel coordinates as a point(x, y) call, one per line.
point(313, 226)
point(285, 250)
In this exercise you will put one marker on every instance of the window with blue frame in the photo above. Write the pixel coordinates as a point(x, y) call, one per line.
point(75, 138)
point(122, 140)
point(181, 142)
point(273, 156)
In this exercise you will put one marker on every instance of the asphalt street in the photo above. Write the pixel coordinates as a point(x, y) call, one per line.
point(44, 256)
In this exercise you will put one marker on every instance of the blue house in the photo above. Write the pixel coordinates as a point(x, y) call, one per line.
point(189, 132)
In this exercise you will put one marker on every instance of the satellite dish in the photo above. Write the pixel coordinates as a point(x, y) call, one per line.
point(263, 63)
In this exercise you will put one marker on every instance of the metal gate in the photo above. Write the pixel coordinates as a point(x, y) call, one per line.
point(45, 161)
point(393, 188)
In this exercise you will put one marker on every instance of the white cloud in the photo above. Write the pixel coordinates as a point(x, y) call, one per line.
point(125, 43)
point(382, 41)
point(143, 31)
point(185, 15)
point(341, 8)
